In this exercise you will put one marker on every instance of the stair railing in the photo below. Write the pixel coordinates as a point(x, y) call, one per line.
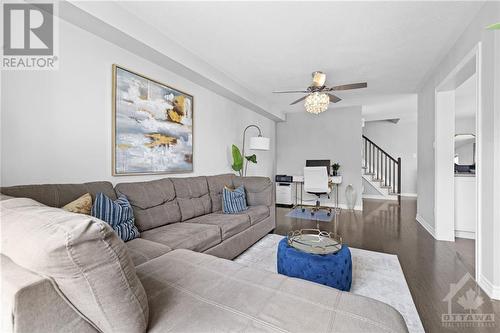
point(382, 167)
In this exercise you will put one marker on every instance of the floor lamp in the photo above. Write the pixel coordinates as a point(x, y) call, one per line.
point(256, 143)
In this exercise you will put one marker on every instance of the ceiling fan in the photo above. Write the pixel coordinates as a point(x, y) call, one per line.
point(318, 94)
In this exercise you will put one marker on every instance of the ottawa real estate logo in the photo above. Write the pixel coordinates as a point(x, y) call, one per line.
point(466, 306)
point(30, 36)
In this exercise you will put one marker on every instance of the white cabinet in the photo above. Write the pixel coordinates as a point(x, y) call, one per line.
point(465, 207)
point(284, 194)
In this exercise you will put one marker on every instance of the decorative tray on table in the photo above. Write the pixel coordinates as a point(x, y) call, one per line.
point(314, 241)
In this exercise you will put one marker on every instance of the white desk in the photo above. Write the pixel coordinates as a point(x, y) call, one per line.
point(299, 181)
point(333, 179)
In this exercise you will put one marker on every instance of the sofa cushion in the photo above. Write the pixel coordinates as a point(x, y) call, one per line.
point(192, 236)
point(142, 250)
point(254, 213)
point(192, 196)
point(154, 202)
point(259, 190)
point(87, 261)
point(215, 186)
point(236, 298)
point(58, 195)
point(257, 213)
point(229, 224)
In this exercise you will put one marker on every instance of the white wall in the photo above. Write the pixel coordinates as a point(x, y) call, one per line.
point(334, 134)
point(56, 125)
point(399, 140)
point(465, 125)
point(490, 133)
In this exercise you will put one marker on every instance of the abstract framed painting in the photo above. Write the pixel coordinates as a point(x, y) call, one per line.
point(152, 126)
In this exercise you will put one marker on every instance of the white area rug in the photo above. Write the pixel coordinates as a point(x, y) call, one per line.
point(374, 274)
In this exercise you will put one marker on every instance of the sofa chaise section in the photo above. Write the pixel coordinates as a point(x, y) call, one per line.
point(224, 295)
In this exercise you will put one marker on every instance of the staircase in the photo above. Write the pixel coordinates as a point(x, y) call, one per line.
point(381, 171)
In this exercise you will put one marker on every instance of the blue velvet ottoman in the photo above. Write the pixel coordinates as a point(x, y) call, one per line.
point(334, 270)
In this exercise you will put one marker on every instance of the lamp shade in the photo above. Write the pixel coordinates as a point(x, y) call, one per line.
point(259, 143)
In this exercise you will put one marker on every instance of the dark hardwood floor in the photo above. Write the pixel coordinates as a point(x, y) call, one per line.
point(429, 266)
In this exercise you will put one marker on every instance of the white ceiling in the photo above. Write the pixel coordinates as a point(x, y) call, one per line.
point(268, 46)
point(397, 106)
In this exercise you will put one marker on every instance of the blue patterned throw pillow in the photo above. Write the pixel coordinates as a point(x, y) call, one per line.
point(234, 201)
point(118, 214)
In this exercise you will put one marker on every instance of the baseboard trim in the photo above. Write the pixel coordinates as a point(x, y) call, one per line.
point(426, 225)
point(412, 195)
point(331, 204)
point(489, 288)
point(465, 234)
point(357, 207)
point(379, 197)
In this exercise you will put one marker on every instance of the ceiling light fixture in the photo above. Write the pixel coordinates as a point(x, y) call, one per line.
point(319, 79)
point(317, 102)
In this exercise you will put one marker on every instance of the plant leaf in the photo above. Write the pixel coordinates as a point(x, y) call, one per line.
point(252, 158)
point(237, 159)
point(495, 26)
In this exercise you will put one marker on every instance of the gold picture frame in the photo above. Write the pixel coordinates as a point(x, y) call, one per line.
point(152, 126)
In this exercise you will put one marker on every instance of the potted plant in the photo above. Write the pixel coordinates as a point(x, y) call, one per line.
point(238, 160)
point(335, 169)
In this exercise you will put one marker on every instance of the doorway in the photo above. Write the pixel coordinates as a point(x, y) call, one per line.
point(454, 193)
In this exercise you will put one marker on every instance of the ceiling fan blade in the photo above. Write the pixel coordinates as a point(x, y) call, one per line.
point(349, 86)
point(334, 99)
point(300, 99)
point(290, 91)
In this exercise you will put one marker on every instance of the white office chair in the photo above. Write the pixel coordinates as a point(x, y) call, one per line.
point(316, 182)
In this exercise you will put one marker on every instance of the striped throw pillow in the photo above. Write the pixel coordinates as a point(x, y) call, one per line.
point(118, 214)
point(234, 201)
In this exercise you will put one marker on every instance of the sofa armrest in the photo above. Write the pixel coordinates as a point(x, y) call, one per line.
point(30, 303)
point(259, 190)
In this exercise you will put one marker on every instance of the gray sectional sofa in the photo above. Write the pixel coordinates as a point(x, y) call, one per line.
point(65, 272)
point(177, 213)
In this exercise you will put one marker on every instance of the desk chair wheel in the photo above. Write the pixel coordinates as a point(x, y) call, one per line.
point(312, 213)
point(328, 214)
point(303, 210)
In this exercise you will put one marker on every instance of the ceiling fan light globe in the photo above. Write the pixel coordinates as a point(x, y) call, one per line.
point(316, 103)
point(319, 79)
